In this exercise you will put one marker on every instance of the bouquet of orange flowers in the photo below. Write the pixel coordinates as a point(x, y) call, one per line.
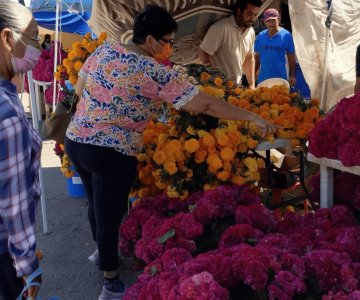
point(190, 152)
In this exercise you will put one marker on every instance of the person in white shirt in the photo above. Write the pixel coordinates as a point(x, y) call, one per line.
point(229, 43)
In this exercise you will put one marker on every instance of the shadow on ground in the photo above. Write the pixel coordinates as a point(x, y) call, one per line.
point(68, 274)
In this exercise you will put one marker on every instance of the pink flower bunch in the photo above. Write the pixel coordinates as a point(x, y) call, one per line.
point(200, 286)
point(256, 215)
point(239, 233)
point(338, 135)
point(161, 234)
point(331, 269)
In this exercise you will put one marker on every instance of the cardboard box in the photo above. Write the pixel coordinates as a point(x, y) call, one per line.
point(282, 160)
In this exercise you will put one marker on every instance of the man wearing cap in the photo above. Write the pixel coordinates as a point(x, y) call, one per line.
point(228, 44)
point(271, 48)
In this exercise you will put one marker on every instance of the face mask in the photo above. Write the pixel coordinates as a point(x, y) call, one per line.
point(26, 63)
point(164, 54)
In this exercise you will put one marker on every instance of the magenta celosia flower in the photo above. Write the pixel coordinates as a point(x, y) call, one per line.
point(173, 258)
point(276, 293)
point(238, 234)
point(126, 248)
point(326, 266)
point(290, 283)
point(257, 216)
point(200, 286)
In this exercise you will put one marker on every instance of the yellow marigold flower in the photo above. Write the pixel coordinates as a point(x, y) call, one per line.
point(219, 93)
point(295, 142)
point(223, 175)
point(251, 164)
point(73, 79)
point(159, 157)
point(78, 65)
point(202, 133)
point(170, 167)
point(144, 192)
point(238, 180)
point(87, 35)
point(218, 81)
point(205, 76)
point(223, 139)
point(227, 154)
point(251, 143)
point(161, 185)
point(184, 195)
point(62, 147)
point(191, 145)
point(141, 157)
point(208, 140)
point(102, 37)
point(190, 130)
point(261, 163)
point(172, 192)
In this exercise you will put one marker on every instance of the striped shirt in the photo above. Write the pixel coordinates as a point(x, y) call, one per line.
point(20, 149)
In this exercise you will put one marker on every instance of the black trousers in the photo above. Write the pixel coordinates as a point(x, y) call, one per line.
point(10, 285)
point(107, 176)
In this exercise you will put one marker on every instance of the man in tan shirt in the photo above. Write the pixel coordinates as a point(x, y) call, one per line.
point(229, 43)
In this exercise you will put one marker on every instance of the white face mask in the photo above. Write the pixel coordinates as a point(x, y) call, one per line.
point(23, 64)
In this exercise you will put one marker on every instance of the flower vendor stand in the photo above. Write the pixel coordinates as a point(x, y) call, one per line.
point(75, 186)
point(327, 167)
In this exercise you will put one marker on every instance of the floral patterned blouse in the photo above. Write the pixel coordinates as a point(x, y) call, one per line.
point(123, 91)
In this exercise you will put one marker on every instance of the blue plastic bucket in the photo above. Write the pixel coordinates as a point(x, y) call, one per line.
point(75, 187)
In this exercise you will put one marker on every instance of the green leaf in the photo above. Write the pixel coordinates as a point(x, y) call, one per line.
point(167, 235)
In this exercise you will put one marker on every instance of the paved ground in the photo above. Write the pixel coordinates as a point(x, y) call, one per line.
point(68, 274)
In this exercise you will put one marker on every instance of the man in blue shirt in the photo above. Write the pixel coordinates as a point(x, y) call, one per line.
point(271, 47)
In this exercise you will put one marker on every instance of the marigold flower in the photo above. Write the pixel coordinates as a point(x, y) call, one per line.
point(208, 140)
point(215, 164)
point(223, 175)
point(144, 192)
point(78, 65)
point(251, 164)
point(141, 157)
point(200, 155)
point(230, 84)
point(170, 167)
point(191, 145)
point(190, 130)
point(218, 81)
point(227, 154)
point(87, 35)
point(161, 185)
point(251, 143)
point(223, 139)
point(205, 76)
point(159, 157)
point(172, 192)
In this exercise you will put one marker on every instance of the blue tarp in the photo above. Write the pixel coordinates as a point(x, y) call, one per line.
point(70, 22)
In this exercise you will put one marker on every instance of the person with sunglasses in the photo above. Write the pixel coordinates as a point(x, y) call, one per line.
point(121, 88)
point(20, 148)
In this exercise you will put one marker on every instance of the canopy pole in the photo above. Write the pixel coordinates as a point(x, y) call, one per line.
point(56, 50)
point(34, 115)
point(326, 56)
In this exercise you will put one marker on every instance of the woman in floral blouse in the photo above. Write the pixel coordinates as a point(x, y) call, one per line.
point(122, 87)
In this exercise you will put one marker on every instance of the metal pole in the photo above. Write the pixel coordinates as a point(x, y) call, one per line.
point(56, 49)
point(34, 116)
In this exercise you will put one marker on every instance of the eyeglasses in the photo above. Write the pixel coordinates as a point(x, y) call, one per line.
point(37, 38)
point(171, 42)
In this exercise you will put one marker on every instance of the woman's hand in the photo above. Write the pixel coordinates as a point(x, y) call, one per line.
point(264, 126)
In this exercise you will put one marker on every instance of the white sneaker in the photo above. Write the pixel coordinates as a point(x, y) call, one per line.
point(112, 290)
point(94, 258)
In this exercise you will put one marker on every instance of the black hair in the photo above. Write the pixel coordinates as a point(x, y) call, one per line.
point(153, 20)
point(242, 4)
point(47, 36)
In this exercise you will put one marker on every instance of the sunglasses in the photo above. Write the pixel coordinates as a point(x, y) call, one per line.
point(171, 42)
